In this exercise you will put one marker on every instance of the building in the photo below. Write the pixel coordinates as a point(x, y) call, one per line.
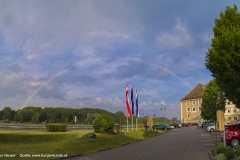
point(232, 114)
point(191, 105)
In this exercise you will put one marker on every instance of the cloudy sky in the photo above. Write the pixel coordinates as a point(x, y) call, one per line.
point(78, 53)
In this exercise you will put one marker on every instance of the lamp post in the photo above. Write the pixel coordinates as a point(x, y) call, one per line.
point(162, 109)
point(154, 117)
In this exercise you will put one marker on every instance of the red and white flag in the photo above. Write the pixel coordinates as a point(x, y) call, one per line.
point(128, 114)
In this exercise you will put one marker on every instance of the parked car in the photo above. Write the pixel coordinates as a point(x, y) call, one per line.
point(184, 125)
point(176, 125)
point(199, 125)
point(171, 125)
point(212, 128)
point(208, 124)
point(194, 124)
point(180, 125)
point(204, 124)
point(232, 134)
point(161, 127)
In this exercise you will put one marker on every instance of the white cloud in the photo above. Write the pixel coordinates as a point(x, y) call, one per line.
point(143, 104)
point(162, 102)
point(178, 38)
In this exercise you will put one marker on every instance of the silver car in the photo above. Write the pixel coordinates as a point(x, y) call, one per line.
point(212, 128)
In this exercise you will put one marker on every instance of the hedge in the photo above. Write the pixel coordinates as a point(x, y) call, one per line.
point(56, 127)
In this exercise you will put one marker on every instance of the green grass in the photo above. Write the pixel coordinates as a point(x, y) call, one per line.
point(70, 142)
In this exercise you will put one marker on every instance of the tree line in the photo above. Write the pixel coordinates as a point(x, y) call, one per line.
point(38, 115)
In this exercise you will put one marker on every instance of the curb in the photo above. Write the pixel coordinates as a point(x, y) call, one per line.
point(103, 149)
point(74, 155)
point(211, 155)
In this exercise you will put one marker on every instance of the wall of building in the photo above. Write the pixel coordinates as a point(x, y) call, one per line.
point(191, 110)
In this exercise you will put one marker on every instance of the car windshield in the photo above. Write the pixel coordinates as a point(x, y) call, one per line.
point(226, 127)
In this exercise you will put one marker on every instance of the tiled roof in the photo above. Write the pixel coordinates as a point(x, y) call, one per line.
point(197, 92)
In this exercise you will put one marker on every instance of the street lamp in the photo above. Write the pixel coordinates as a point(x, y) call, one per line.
point(162, 109)
point(154, 116)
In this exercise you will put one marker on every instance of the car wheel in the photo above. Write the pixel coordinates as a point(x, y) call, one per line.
point(234, 142)
point(211, 130)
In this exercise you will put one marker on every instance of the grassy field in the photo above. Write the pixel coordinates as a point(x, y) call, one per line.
point(29, 142)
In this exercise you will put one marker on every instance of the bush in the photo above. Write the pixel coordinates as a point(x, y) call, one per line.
point(230, 153)
point(103, 124)
point(56, 127)
point(220, 156)
point(237, 151)
point(219, 148)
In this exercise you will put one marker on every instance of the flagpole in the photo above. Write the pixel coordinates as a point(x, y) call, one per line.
point(136, 124)
point(137, 109)
point(132, 123)
point(127, 124)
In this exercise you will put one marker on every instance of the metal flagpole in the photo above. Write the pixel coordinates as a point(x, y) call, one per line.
point(127, 124)
point(132, 105)
point(132, 123)
point(136, 108)
point(136, 124)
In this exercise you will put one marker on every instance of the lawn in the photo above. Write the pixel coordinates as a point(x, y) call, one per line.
point(27, 143)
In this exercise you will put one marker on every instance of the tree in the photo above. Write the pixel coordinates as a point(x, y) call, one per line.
point(7, 114)
point(90, 118)
point(213, 100)
point(121, 117)
point(223, 56)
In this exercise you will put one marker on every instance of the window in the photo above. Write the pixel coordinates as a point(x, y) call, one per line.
point(200, 102)
point(188, 109)
point(188, 115)
point(199, 108)
point(194, 109)
point(235, 110)
point(229, 118)
point(228, 102)
point(237, 127)
point(193, 102)
point(188, 103)
point(235, 118)
point(229, 110)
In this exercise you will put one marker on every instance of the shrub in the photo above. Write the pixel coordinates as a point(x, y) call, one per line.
point(230, 153)
point(56, 127)
point(219, 148)
point(220, 156)
point(103, 124)
point(237, 151)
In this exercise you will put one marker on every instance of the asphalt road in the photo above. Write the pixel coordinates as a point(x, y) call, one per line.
point(188, 143)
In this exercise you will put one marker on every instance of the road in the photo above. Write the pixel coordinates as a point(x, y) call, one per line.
point(188, 143)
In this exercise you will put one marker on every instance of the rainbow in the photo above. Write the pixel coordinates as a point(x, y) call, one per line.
point(92, 61)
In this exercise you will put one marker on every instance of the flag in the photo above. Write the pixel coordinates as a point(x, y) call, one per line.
point(137, 109)
point(127, 103)
point(132, 100)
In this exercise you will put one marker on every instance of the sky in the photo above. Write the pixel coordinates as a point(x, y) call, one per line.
point(78, 54)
